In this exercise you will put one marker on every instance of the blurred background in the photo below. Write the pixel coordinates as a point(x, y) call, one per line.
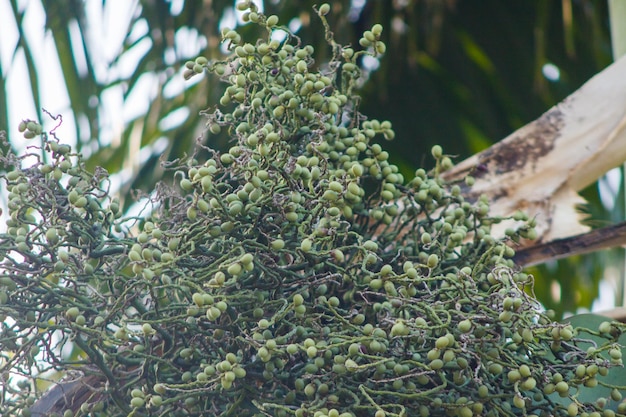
point(459, 73)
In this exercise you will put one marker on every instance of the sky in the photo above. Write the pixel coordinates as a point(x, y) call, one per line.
point(108, 26)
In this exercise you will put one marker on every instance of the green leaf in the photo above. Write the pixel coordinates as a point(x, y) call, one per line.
point(587, 328)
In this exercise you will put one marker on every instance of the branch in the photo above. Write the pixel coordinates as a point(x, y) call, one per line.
point(595, 240)
point(541, 167)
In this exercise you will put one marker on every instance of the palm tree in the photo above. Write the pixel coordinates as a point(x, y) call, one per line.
point(460, 74)
point(473, 95)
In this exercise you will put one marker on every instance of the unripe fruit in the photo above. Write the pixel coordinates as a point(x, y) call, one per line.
point(465, 412)
point(465, 326)
point(147, 329)
point(156, 401)
point(529, 384)
point(272, 21)
point(616, 395)
point(495, 368)
point(562, 387)
point(72, 312)
point(134, 256)
point(213, 313)
point(399, 329)
point(442, 342)
point(432, 261)
point(519, 402)
point(351, 365)
point(572, 410)
point(136, 392)
point(566, 333)
point(234, 269)
point(311, 352)
point(81, 202)
point(159, 388)
point(524, 371)
point(615, 354)
point(306, 245)
point(605, 327)
point(137, 402)
point(277, 244)
point(514, 376)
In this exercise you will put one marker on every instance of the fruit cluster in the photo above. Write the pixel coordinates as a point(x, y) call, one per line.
point(296, 274)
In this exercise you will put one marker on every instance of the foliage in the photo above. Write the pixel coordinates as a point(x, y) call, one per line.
point(295, 274)
point(462, 75)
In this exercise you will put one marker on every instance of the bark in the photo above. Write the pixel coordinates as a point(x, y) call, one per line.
point(541, 167)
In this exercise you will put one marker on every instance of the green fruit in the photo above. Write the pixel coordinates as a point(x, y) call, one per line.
point(160, 388)
point(399, 329)
point(239, 372)
point(519, 402)
point(310, 390)
point(72, 312)
point(134, 256)
point(615, 354)
point(442, 342)
point(311, 351)
point(465, 412)
point(524, 371)
point(137, 402)
point(272, 21)
point(616, 395)
point(234, 269)
point(156, 401)
point(147, 329)
point(514, 376)
point(306, 245)
point(298, 299)
point(277, 244)
point(213, 313)
point(351, 365)
point(376, 284)
point(495, 368)
point(572, 410)
point(529, 384)
point(436, 364)
point(605, 327)
point(566, 333)
point(323, 11)
point(562, 387)
point(465, 326)
point(81, 202)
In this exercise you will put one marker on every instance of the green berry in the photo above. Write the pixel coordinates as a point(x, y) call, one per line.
point(272, 21)
point(465, 326)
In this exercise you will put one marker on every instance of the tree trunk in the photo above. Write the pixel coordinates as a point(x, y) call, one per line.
point(541, 167)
